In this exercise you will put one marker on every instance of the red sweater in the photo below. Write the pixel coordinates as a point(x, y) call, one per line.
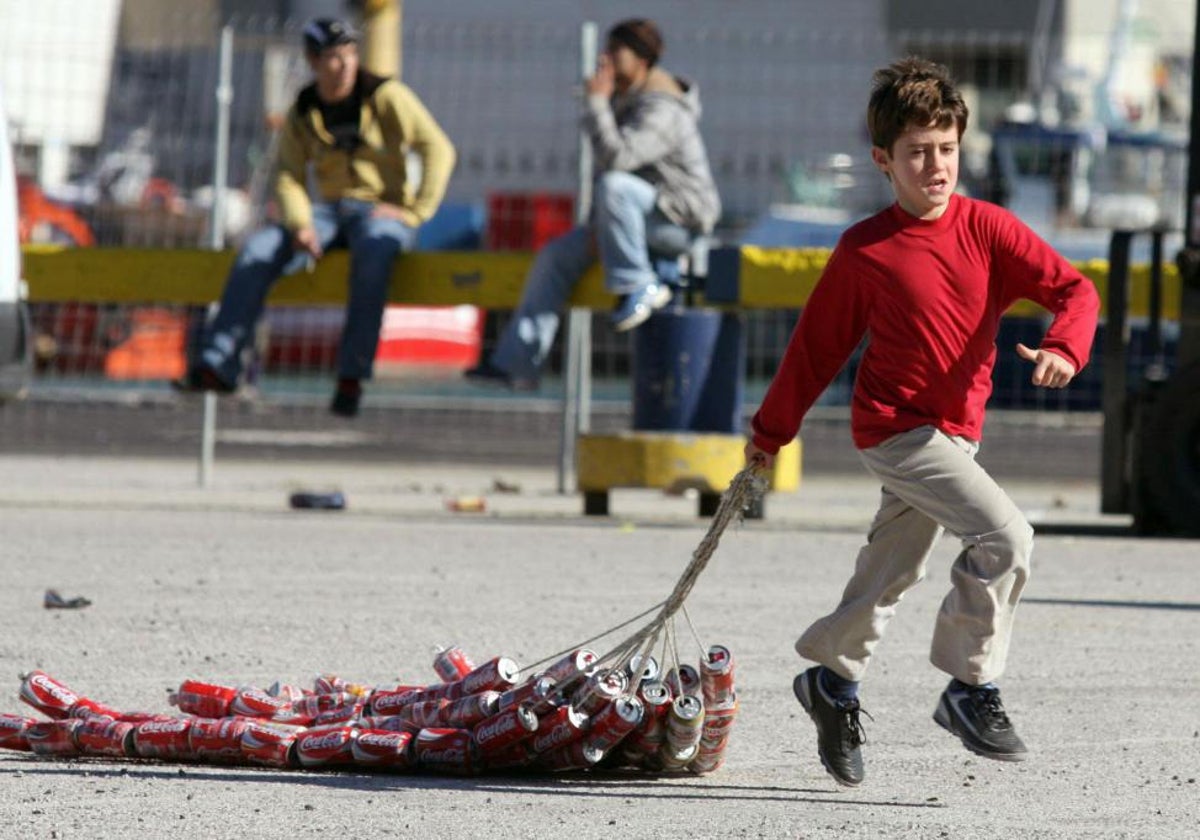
point(929, 294)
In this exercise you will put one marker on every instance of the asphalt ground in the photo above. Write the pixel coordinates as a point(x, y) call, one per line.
point(230, 585)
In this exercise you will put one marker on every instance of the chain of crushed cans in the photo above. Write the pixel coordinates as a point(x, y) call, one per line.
point(574, 715)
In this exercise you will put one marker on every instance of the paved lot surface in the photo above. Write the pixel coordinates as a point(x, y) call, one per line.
point(228, 584)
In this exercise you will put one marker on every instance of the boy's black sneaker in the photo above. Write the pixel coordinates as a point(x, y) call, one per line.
point(839, 733)
point(976, 715)
point(346, 398)
point(200, 379)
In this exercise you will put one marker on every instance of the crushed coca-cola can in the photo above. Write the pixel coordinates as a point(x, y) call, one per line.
point(598, 690)
point(428, 715)
point(256, 703)
point(389, 701)
point(501, 731)
point(313, 704)
point(269, 744)
point(615, 721)
point(54, 737)
point(286, 691)
point(202, 699)
point(12, 732)
point(169, 738)
point(571, 668)
point(86, 708)
point(575, 756)
point(672, 759)
point(330, 683)
point(497, 674)
point(47, 695)
point(535, 692)
point(560, 727)
point(379, 748)
point(451, 664)
point(390, 723)
point(345, 713)
point(105, 736)
point(218, 740)
point(467, 711)
point(445, 750)
point(716, 676)
point(329, 746)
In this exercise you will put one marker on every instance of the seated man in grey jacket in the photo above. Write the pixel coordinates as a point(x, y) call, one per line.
point(654, 183)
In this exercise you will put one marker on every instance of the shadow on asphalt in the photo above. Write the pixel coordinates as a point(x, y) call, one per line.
point(1100, 602)
point(620, 786)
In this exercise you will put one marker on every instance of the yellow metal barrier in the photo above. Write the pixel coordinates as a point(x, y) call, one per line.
point(761, 278)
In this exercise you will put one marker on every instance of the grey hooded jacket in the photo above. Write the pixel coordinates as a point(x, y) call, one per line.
point(653, 133)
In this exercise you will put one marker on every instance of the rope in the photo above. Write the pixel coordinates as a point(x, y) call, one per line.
point(746, 486)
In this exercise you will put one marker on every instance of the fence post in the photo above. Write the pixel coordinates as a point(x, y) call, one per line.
point(577, 367)
point(216, 225)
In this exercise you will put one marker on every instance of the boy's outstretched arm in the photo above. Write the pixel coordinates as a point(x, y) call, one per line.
point(1050, 370)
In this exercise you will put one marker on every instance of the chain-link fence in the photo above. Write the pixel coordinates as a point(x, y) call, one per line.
point(784, 92)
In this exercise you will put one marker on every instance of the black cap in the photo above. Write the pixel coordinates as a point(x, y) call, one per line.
point(323, 33)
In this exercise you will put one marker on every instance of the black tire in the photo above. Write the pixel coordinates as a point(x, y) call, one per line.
point(1170, 472)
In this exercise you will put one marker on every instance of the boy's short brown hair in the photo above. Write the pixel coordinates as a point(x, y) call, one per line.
point(913, 92)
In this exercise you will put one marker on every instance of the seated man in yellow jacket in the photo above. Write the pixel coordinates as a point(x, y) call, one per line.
point(354, 130)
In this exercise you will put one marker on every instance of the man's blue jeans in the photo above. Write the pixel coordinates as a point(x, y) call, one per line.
point(269, 253)
point(624, 219)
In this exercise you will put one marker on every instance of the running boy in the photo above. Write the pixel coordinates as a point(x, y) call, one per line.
point(926, 280)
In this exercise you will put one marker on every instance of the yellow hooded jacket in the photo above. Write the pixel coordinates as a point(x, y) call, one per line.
point(391, 122)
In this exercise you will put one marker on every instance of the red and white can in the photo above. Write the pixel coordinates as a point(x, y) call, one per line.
point(217, 739)
point(716, 676)
point(560, 727)
point(146, 717)
point(451, 664)
point(672, 759)
point(329, 683)
point(599, 690)
point(614, 722)
point(467, 711)
point(684, 680)
point(12, 732)
point(497, 674)
point(572, 667)
point(170, 738)
point(501, 731)
point(576, 756)
point(105, 736)
point(642, 669)
point(389, 701)
point(326, 747)
point(47, 695)
point(718, 721)
point(427, 715)
point(391, 723)
point(652, 730)
point(203, 699)
point(256, 703)
point(270, 744)
point(684, 723)
point(345, 713)
point(534, 692)
point(445, 750)
point(287, 691)
point(54, 737)
point(378, 748)
point(313, 704)
point(86, 708)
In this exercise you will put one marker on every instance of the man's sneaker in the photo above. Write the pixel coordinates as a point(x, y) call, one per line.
point(839, 733)
point(489, 376)
point(200, 379)
point(346, 398)
point(636, 307)
point(976, 715)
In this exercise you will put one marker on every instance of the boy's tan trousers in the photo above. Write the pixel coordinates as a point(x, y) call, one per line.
point(931, 483)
